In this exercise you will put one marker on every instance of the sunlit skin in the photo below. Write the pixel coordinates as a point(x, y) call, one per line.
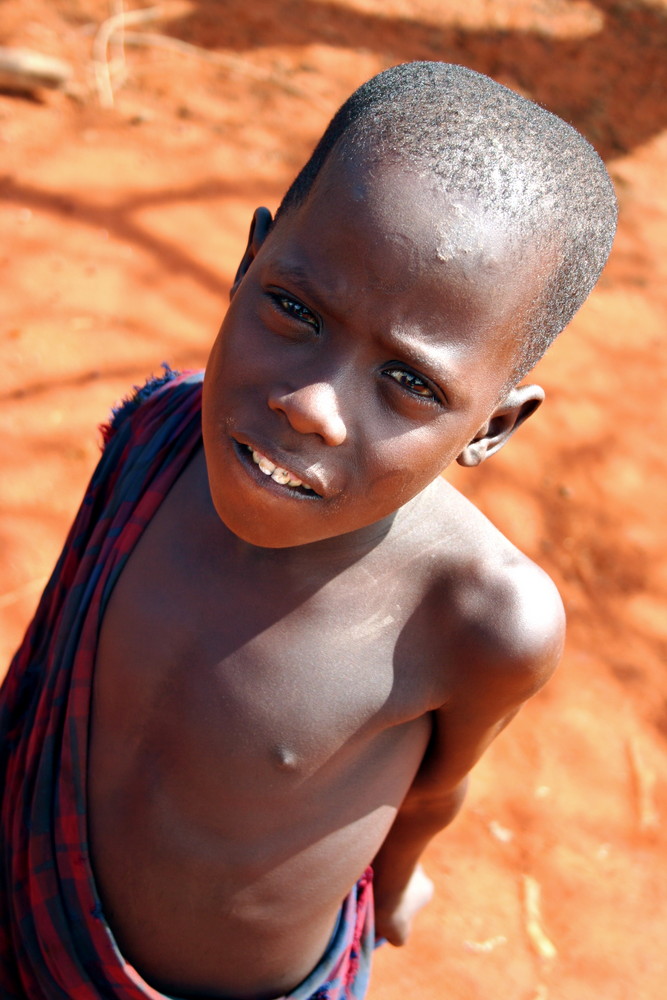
point(315, 668)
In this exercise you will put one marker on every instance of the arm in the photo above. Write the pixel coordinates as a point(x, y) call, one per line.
point(501, 660)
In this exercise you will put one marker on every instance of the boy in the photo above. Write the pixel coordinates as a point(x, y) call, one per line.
point(301, 638)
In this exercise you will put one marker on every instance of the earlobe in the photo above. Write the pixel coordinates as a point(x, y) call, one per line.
point(262, 220)
point(519, 404)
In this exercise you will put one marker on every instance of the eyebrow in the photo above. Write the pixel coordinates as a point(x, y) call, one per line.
point(290, 270)
point(294, 272)
point(325, 300)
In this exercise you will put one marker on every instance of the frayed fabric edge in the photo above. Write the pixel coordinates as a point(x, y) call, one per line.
point(134, 399)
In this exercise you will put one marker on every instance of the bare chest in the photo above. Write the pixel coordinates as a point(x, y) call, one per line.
point(254, 728)
point(239, 678)
point(281, 681)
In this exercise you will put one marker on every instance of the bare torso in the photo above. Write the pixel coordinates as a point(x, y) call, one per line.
point(255, 728)
point(260, 715)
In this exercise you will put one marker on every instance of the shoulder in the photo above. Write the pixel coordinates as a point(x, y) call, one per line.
point(500, 616)
point(511, 622)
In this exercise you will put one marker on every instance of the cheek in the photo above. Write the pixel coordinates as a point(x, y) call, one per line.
point(248, 356)
point(213, 389)
point(402, 468)
point(234, 362)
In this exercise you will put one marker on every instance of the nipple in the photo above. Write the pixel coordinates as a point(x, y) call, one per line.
point(285, 758)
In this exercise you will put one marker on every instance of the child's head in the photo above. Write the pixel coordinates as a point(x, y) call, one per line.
point(504, 157)
point(417, 268)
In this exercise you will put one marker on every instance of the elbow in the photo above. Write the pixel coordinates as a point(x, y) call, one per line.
point(441, 807)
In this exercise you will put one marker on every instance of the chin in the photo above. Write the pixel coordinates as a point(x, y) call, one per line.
point(266, 532)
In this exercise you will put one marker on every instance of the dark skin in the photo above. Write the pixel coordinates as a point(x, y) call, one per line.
point(321, 655)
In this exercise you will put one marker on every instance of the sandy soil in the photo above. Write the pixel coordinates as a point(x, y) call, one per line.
point(124, 205)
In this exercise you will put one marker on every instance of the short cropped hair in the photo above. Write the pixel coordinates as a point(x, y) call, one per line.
point(520, 162)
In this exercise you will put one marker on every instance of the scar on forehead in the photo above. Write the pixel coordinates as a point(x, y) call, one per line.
point(466, 230)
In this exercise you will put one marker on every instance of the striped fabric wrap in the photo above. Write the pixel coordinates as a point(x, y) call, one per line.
point(54, 941)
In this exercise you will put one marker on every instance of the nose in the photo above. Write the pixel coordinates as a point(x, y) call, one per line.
point(311, 409)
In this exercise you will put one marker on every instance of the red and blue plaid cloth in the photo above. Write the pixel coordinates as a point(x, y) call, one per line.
point(54, 941)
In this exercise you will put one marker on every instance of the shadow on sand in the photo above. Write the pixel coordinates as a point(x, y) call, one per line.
point(611, 85)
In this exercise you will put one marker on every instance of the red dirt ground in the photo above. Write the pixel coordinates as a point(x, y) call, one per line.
point(123, 225)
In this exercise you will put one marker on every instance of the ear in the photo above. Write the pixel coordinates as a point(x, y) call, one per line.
point(519, 404)
point(262, 221)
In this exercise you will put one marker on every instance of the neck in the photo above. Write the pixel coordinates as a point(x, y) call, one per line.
point(320, 559)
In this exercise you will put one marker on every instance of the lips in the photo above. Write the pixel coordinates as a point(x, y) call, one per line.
point(281, 475)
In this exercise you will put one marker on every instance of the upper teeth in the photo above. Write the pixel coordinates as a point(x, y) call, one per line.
point(279, 475)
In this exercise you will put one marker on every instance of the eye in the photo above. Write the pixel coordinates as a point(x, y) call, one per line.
point(414, 383)
point(295, 309)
